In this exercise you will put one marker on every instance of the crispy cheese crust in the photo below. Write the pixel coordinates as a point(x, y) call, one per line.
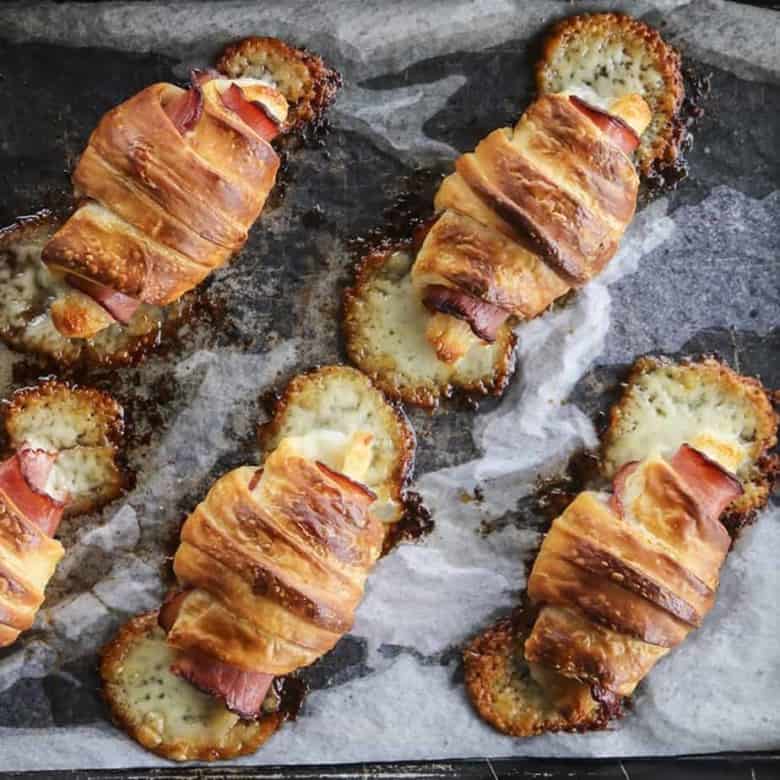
point(707, 404)
point(342, 399)
point(27, 287)
point(303, 78)
point(521, 700)
point(84, 426)
point(613, 55)
point(385, 326)
point(209, 734)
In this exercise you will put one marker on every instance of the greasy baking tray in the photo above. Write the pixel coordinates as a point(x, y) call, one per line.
point(391, 136)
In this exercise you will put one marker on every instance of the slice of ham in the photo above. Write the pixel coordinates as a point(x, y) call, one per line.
point(120, 306)
point(242, 691)
point(713, 487)
point(169, 610)
point(619, 485)
point(36, 465)
point(28, 497)
point(484, 318)
point(344, 481)
point(185, 110)
point(252, 112)
point(612, 126)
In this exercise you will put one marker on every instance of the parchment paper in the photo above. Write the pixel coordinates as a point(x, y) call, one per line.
point(698, 270)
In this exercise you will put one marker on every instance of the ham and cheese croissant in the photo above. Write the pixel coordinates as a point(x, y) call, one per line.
point(531, 213)
point(29, 555)
point(172, 180)
point(270, 569)
point(273, 564)
point(64, 443)
point(623, 577)
point(622, 581)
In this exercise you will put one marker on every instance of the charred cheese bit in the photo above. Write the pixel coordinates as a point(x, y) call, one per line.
point(341, 405)
point(76, 315)
point(165, 713)
point(451, 338)
point(706, 404)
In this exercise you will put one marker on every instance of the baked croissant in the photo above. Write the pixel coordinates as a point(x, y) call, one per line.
point(171, 181)
point(272, 566)
point(623, 580)
point(531, 213)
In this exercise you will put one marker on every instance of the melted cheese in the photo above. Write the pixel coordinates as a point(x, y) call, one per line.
point(83, 474)
point(28, 289)
point(263, 90)
point(605, 69)
point(665, 412)
point(350, 455)
point(601, 67)
point(396, 331)
point(168, 708)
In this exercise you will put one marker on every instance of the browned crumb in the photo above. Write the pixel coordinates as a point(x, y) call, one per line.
point(303, 78)
point(615, 54)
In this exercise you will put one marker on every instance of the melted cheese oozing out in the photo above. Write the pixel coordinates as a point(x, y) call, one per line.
point(397, 329)
point(349, 455)
point(590, 96)
point(664, 413)
point(82, 472)
point(275, 103)
point(168, 707)
point(345, 403)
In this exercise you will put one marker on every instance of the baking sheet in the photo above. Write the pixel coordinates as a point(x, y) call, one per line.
point(698, 272)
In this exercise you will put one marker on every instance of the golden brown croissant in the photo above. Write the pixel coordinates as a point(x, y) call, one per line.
point(531, 213)
point(272, 565)
point(622, 578)
point(172, 180)
point(622, 581)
